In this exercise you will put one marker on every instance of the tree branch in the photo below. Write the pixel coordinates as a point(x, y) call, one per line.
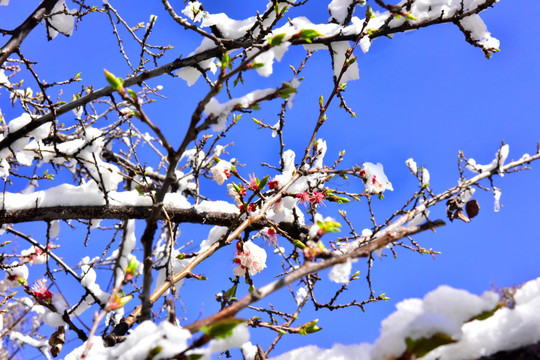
point(22, 31)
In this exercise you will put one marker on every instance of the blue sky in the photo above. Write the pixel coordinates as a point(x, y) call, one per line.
point(425, 95)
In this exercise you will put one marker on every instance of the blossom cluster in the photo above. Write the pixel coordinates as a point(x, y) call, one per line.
point(249, 257)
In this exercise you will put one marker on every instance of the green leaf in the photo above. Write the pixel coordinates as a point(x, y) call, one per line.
point(195, 356)
point(369, 13)
point(299, 244)
point(276, 39)
point(309, 35)
point(133, 266)
point(153, 352)
point(115, 82)
point(225, 61)
point(132, 93)
point(286, 91)
point(342, 200)
point(310, 327)
point(420, 347)
point(351, 61)
point(486, 314)
point(221, 329)
point(263, 182)
point(256, 65)
point(231, 293)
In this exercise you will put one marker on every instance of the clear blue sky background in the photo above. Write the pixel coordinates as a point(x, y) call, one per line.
point(425, 95)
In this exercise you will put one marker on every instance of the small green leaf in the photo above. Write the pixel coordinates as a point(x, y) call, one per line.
point(310, 327)
point(153, 352)
point(115, 82)
point(276, 39)
point(221, 329)
point(231, 293)
point(133, 266)
point(286, 91)
point(256, 65)
point(422, 346)
point(263, 182)
point(224, 62)
point(309, 35)
point(342, 200)
point(369, 13)
point(299, 244)
point(486, 314)
point(132, 93)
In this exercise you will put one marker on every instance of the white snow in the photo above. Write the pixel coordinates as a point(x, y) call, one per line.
point(300, 295)
point(191, 74)
point(61, 23)
point(239, 336)
point(54, 228)
point(450, 311)
point(338, 9)
point(375, 179)
point(216, 206)
point(337, 352)
point(425, 177)
point(338, 59)
point(222, 111)
point(478, 32)
point(249, 351)
point(411, 164)
point(497, 163)
point(365, 43)
point(19, 122)
point(341, 273)
point(14, 273)
point(214, 235)
point(128, 244)
point(496, 199)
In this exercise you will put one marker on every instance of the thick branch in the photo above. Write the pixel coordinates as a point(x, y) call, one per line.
point(135, 212)
point(22, 31)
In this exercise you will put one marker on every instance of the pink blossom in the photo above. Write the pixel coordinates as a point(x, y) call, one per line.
point(253, 185)
point(272, 184)
point(302, 197)
point(317, 197)
point(41, 292)
point(271, 234)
